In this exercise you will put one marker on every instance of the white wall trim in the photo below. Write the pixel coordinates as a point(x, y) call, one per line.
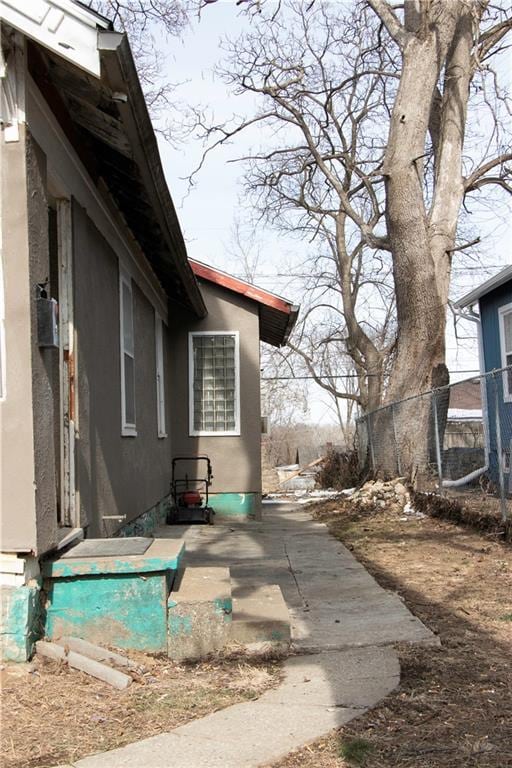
point(3, 357)
point(72, 174)
point(128, 429)
point(160, 377)
point(201, 433)
point(12, 93)
point(502, 311)
point(63, 27)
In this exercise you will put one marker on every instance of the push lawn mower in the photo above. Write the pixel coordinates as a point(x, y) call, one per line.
point(190, 493)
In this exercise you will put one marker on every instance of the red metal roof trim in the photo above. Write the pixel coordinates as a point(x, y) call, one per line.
point(239, 286)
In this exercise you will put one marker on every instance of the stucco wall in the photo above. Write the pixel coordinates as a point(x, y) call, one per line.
point(45, 371)
point(115, 475)
point(236, 460)
point(17, 499)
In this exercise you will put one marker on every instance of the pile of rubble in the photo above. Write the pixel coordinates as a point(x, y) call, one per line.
point(391, 494)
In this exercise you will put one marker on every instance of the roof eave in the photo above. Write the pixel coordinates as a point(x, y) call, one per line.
point(70, 33)
point(496, 281)
point(117, 59)
point(292, 319)
point(268, 302)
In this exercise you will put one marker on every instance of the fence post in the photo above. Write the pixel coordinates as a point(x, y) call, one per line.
point(397, 452)
point(438, 442)
point(499, 451)
point(370, 440)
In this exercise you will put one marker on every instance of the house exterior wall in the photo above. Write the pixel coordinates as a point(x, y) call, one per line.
point(489, 306)
point(17, 497)
point(115, 475)
point(45, 361)
point(236, 460)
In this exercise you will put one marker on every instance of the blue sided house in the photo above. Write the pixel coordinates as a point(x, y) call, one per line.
point(490, 304)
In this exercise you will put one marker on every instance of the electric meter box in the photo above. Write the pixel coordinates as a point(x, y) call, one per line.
point(47, 322)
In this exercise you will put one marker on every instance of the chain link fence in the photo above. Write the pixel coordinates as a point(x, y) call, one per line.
point(457, 440)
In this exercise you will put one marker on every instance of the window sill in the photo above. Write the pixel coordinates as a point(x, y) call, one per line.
point(128, 432)
point(215, 434)
point(68, 535)
point(162, 435)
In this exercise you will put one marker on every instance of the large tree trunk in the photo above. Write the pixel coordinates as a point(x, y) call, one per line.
point(439, 35)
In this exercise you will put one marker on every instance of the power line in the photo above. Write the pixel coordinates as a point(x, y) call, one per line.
point(339, 376)
point(271, 276)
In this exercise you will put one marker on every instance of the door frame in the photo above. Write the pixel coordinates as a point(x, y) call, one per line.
point(70, 513)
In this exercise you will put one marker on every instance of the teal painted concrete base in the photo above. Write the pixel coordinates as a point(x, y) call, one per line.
point(118, 600)
point(126, 611)
point(21, 623)
point(236, 504)
point(145, 524)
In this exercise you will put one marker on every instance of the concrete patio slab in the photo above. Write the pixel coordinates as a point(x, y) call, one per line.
point(333, 601)
point(308, 704)
point(343, 627)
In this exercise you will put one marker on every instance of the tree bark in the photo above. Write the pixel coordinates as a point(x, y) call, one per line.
point(419, 288)
point(438, 34)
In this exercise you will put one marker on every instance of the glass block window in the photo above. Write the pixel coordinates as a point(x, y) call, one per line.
point(214, 383)
point(505, 315)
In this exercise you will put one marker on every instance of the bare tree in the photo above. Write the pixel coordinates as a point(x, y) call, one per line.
point(445, 51)
point(371, 162)
point(387, 122)
point(323, 181)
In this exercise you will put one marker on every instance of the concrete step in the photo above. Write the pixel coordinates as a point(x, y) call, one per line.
point(199, 612)
point(260, 615)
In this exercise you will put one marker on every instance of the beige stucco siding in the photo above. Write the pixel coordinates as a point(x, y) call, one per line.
point(116, 475)
point(45, 366)
point(17, 497)
point(236, 459)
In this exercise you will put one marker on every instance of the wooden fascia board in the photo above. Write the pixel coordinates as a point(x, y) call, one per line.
point(68, 29)
point(496, 281)
point(238, 286)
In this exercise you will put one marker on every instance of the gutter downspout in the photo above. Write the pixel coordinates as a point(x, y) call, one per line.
point(485, 409)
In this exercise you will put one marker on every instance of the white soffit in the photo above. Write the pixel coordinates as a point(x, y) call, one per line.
point(59, 25)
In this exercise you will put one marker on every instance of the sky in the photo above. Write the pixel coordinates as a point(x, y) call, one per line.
point(209, 211)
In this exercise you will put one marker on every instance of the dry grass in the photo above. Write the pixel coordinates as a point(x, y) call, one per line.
point(454, 705)
point(51, 714)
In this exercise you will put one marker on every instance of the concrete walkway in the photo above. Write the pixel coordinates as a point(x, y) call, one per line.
point(343, 626)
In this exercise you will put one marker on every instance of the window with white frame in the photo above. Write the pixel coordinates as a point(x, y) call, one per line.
point(127, 356)
point(160, 380)
point(505, 318)
point(214, 383)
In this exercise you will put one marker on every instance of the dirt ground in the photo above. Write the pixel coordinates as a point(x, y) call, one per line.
point(51, 714)
point(454, 705)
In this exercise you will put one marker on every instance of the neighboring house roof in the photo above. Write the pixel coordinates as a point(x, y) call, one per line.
point(277, 315)
point(496, 281)
point(93, 88)
point(464, 414)
point(465, 401)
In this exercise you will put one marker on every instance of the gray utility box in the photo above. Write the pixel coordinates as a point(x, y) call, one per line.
point(47, 322)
